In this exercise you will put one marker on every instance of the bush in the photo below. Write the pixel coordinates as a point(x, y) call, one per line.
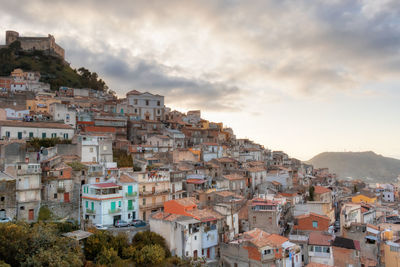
point(45, 214)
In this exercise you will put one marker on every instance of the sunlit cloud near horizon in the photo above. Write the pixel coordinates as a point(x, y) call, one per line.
point(292, 75)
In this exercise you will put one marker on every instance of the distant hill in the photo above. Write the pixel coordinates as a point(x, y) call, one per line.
point(367, 166)
point(53, 70)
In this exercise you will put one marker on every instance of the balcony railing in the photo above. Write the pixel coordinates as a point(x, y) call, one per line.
point(60, 189)
point(131, 208)
point(131, 194)
point(150, 193)
point(90, 211)
point(114, 211)
point(152, 205)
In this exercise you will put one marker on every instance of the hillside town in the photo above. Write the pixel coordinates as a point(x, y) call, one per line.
point(133, 164)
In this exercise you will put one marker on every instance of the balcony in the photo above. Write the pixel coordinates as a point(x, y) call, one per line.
point(114, 211)
point(155, 193)
point(319, 254)
point(60, 189)
point(131, 194)
point(152, 205)
point(131, 208)
point(90, 211)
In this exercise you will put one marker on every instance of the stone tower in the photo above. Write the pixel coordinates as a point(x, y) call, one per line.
point(11, 36)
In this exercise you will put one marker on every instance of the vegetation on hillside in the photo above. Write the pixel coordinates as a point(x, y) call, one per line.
point(146, 249)
point(53, 69)
point(39, 244)
point(36, 143)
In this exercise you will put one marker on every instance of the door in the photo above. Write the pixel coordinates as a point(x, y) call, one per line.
point(133, 215)
point(153, 190)
point(31, 215)
point(208, 253)
point(66, 197)
point(195, 255)
point(173, 188)
point(19, 135)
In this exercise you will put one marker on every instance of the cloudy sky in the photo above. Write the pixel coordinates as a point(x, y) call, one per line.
point(299, 76)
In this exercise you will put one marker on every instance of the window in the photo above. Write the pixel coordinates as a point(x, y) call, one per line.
point(19, 135)
point(55, 196)
point(7, 134)
point(86, 204)
point(119, 204)
point(91, 150)
point(147, 102)
point(254, 219)
point(53, 135)
point(22, 208)
point(2, 198)
point(158, 103)
point(43, 135)
point(317, 249)
point(30, 134)
point(315, 224)
point(135, 101)
point(65, 136)
point(195, 237)
point(144, 201)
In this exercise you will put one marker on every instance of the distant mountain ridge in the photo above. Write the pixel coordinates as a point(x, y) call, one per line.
point(367, 165)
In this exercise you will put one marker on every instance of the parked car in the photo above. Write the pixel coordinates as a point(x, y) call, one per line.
point(138, 223)
point(100, 227)
point(5, 220)
point(121, 223)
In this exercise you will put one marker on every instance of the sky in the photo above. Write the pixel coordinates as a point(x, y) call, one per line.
point(300, 76)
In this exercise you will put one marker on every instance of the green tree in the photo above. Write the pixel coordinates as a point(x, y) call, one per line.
point(147, 238)
point(108, 257)
point(150, 255)
point(44, 214)
point(311, 190)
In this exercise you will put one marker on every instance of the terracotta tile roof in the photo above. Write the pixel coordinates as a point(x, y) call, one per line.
point(244, 211)
point(314, 264)
point(165, 216)
point(225, 160)
point(187, 201)
point(261, 239)
point(312, 214)
point(225, 193)
point(52, 125)
point(234, 176)
point(320, 189)
point(318, 238)
point(210, 144)
point(105, 185)
point(124, 178)
point(205, 215)
point(256, 169)
point(276, 183)
point(134, 92)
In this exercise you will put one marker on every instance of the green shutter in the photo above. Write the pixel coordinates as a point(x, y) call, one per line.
point(112, 205)
point(92, 205)
point(130, 204)
point(87, 204)
point(119, 204)
point(130, 189)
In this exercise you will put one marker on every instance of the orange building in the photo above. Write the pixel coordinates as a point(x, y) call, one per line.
point(311, 222)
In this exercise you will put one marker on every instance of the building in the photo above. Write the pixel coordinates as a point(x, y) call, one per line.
point(105, 203)
point(154, 190)
point(28, 189)
point(61, 112)
point(391, 253)
point(259, 248)
point(146, 105)
point(350, 213)
point(365, 196)
point(95, 148)
point(311, 222)
point(27, 130)
point(46, 44)
point(265, 214)
point(189, 231)
point(8, 205)
point(320, 248)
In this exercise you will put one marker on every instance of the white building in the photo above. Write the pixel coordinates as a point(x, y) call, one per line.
point(95, 148)
point(61, 112)
point(146, 105)
point(105, 203)
point(13, 114)
point(28, 187)
point(26, 130)
point(211, 151)
point(388, 196)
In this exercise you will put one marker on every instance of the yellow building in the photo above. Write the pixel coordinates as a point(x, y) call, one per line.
point(41, 105)
point(391, 254)
point(364, 197)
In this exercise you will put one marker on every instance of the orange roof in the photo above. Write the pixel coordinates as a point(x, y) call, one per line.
point(314, 264)
point(312, 214)
point(261, 239)
point(187, 201)
point(320, 189)
point(165, 216)
point(318, 238)
point(126, 179)
point(225, 193)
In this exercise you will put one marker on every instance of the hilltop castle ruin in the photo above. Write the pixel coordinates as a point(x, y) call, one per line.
point(46, 44)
